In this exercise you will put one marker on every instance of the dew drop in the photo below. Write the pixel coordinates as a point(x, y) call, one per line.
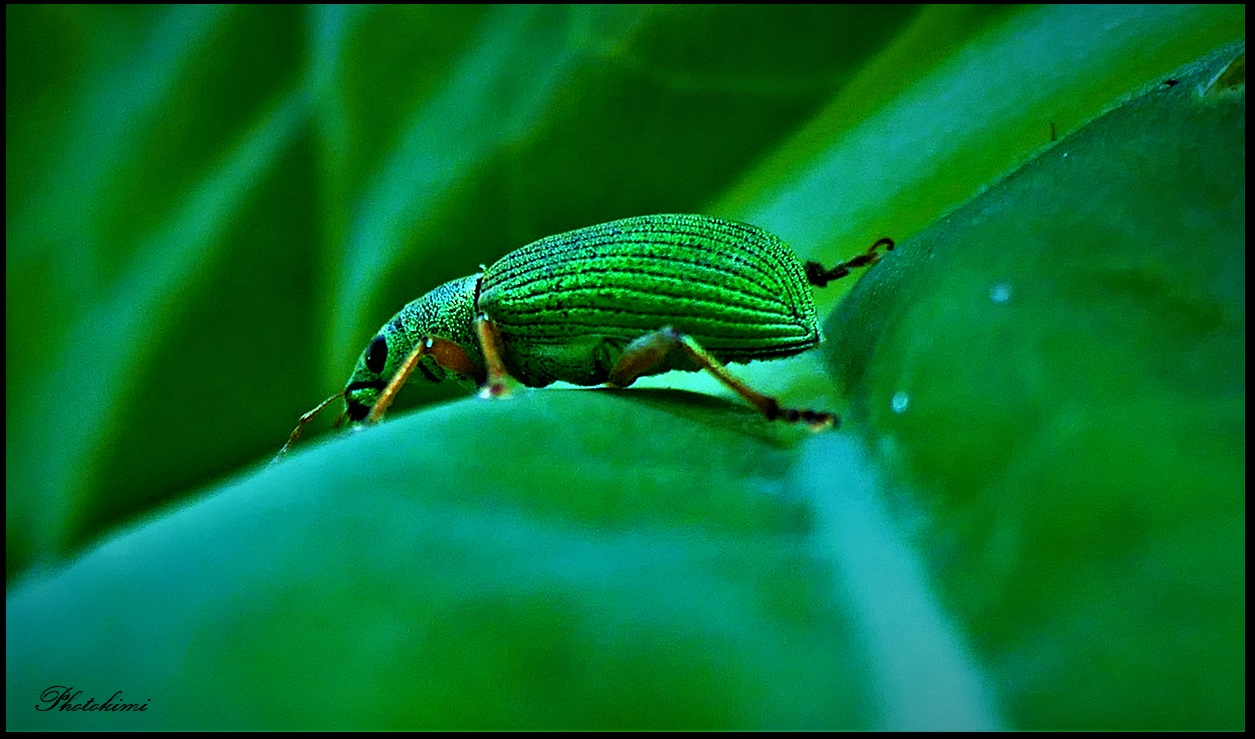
point(899, 401)
point(1000, 292)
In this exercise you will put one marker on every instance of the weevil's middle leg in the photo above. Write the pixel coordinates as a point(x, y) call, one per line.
point(820, 277)
point(446, 353)
point(498, 383)
point(651, 350)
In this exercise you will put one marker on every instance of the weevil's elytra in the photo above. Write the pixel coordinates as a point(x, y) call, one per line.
point(564, 301)
point(607, 304)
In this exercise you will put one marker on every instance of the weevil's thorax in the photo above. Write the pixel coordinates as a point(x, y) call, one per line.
point(447, 312)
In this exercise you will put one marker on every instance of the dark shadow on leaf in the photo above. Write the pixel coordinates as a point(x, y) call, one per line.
point(711, 410)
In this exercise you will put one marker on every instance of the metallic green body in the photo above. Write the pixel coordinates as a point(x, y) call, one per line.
point(566, 306)
point(447, 312)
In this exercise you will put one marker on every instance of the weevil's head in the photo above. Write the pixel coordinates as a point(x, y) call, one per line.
point(367, 381)
point(448, 312)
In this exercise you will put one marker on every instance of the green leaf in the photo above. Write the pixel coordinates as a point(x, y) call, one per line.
point(1057, 369)
point(457, 577)
point(210, 209)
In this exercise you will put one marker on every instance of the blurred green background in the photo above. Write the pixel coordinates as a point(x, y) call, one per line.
point(1033, 517)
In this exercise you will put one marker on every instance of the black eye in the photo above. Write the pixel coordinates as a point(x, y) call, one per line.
point(358, 411)
point(376, 354)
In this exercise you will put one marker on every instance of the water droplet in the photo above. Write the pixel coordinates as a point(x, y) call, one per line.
point(1000, 292)
point(1065, 153)
point(899, 401)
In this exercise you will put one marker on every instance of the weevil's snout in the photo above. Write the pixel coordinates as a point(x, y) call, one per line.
point(360, 396)
point(357, 410)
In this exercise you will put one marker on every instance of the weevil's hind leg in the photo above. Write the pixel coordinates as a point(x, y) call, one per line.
point(498, 383)
point(651, 350)
point(820, 277)
point(446, 353)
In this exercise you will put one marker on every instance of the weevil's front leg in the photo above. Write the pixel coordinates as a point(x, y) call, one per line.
point(498, 383)
point(446, 353)
point(820, 277)
point(300, 424)
point(651, 350)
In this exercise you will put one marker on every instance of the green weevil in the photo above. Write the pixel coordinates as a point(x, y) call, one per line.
point(606, 304)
